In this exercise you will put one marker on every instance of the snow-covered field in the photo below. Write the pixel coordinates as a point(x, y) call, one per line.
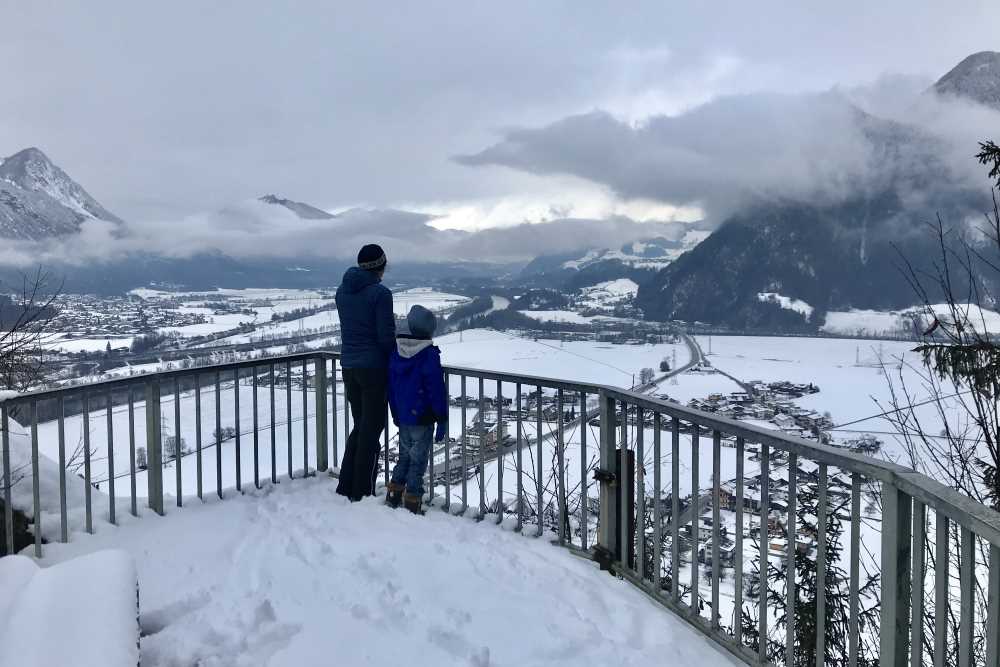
point(426, 297)
point(67, 344)
point(876, 322)
point(295, 575)
point(849, 374)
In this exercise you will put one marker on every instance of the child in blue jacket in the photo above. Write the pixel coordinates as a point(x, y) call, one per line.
point(418, 400)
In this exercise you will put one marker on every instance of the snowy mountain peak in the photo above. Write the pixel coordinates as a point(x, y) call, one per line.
point(304, 211)
point(976, 78)
point(38, 199)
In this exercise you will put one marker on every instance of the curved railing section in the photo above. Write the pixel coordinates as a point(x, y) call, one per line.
point(726, 524)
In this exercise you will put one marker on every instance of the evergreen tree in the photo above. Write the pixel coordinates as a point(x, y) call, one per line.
point(836, 591)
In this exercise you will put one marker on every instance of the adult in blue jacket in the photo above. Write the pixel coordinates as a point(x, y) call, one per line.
point(367, 333)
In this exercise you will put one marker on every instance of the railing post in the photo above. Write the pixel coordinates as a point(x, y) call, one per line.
point(154, 450)
point(895, 624)
point(321, 416)
point(607, 527)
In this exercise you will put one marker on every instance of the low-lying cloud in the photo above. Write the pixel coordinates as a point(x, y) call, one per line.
point(252, 230)
point(823, 147)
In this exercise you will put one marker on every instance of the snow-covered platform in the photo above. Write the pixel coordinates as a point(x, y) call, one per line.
point(295, 575)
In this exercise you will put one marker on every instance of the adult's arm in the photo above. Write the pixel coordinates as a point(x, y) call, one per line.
point(385, 323)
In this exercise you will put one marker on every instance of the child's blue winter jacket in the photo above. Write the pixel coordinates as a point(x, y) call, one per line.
point(417, 394)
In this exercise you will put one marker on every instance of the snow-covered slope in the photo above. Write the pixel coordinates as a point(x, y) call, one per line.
point(296, 575)
point(653, 254)
point(976, 78)
point(39, 200)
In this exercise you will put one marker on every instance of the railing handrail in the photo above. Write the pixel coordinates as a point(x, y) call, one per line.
point(958, 507)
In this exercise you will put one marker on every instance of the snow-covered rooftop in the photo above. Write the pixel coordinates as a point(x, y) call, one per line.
point(294, 575)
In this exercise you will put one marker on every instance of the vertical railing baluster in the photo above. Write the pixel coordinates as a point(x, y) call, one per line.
point(821, 565)
point(853, 629)
point(640, 492)
point(625, 536)
point(538, 463)
point(154, 445)
point(256, 430)
point(519, 459)
point(218, 434)
point(675, 510)
point(432, 483)
point(481, 431)
point(941, 588)
point(347, 410)
point(897, 523)
point(236, 409)
point(791, 531)
point(447, 446)
point(657, 512)
point(695, 515)
point(335, 436)
point(465, 465)
point(288, 417)
point(500, 440)
point(763, 540)
point(274, 435)
point(131, 452)
point(320, 395)
point(738, 562)
point(305, 418)
point(386, 473)
point(584, 500)
point(86, 464)
point(967, 588)
point(917, 589)
point(607, 522)
point(111, 457)
point(716, 520)
point(561, 464)
point(992, 629)
point(63, 518)
point(8, 508)
point(178, 450)
point(197, 434)
point(36, 482)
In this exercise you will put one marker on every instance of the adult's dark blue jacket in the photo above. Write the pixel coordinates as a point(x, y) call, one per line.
point(367, 325)
point(417, 394)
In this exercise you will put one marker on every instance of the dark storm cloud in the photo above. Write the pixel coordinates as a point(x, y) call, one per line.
point(810, 147)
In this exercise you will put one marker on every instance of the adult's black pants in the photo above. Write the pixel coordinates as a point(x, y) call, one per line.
point(365, 389)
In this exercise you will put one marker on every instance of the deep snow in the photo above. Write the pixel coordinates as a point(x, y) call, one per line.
point(294, 575)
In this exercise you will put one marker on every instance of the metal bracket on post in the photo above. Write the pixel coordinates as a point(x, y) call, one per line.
point(605, 476)
point(607, 524)
point(154, 448)
point(321, 416)
point(897, 508)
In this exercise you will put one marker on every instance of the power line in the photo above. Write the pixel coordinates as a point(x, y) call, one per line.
point(900, 409)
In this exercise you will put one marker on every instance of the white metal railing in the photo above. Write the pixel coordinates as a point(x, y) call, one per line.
point(574, 458)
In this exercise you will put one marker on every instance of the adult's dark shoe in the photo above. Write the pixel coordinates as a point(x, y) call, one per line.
point(413, 502)
point(394, 494)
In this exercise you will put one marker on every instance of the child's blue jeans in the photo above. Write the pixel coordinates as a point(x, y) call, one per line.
point(415, 444)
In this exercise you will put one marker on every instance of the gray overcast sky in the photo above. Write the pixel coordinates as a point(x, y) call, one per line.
point(165, 109)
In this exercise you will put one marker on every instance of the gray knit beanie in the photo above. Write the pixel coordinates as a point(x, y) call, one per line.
point(421, 322)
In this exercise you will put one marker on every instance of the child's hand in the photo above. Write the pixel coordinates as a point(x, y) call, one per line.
point(442, 430)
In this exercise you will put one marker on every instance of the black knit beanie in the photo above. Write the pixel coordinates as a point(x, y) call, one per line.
point(371, 257)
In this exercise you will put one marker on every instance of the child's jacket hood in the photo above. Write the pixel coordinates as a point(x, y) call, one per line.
point(411, 347)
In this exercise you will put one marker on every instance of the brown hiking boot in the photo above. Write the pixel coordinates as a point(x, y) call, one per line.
point(413, 502)
point(394, 494)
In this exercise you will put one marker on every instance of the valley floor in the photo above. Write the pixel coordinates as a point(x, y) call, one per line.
point(294, 575)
